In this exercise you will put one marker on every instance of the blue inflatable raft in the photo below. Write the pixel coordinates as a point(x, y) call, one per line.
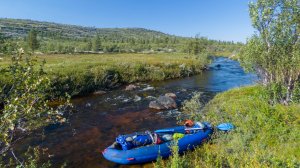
point(151, 152)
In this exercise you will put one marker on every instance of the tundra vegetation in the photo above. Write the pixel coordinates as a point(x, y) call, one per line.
point(81, 60)
point(264, 136)
point(85, 73)
point(31, 79)
point(266, 115)
point(68, 39)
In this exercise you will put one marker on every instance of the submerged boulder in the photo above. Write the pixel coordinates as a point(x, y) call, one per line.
point(163, 103)
point(218, 66)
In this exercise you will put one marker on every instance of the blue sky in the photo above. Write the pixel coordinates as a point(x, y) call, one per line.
point(215, 19)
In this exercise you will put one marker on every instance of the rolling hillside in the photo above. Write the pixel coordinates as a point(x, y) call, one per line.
point(20, 28)
point(63, 38)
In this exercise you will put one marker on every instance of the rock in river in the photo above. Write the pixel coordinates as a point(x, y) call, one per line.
point(162, 103)
point(137, 98)
point(131, 87)
point(172, 95)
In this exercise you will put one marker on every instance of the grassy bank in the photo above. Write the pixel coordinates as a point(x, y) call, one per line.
point(84, 73)
point(265, 135)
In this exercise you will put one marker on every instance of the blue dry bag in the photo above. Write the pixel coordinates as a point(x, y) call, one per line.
point(142, 140)
point(121, 139)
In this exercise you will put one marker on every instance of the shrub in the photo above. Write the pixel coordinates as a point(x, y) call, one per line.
point(24, 105)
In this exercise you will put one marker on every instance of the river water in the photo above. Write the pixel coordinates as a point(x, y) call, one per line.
point(98, 119)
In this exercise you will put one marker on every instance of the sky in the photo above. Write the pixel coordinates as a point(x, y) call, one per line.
point(215, 19)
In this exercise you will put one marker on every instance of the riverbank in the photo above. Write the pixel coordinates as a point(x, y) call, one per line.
point(127, 111)
point(86, 73)
point(265, 135)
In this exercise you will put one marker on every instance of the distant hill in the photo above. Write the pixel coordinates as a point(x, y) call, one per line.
point(20, 27)
point(63, 38)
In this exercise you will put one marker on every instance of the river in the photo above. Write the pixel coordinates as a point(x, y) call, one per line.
point(98, 119)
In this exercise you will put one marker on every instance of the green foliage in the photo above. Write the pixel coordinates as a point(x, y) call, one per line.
point(30, 159)
point(33, 158)
point(1, 41)
point(265, 135)
point(24, 105)
point(296, 93)
point(8, 46)
point(192, 108)
point(196, 46)
point(159, 163)
point(32, 41)
point(275, 51)
point(175, 160)
point(89, 46)
point(96, 44)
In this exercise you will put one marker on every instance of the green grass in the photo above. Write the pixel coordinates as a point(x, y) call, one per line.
point(84, 73)
point(265, 135)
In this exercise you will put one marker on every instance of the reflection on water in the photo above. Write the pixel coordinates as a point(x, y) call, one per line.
point(99, 119)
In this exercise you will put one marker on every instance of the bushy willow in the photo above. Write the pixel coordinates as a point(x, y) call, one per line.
point(23, 100)
point(274, 51)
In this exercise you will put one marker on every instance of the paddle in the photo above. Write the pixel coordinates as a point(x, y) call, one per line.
point(165, 131)
point(222, 127)
point(225, 126)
